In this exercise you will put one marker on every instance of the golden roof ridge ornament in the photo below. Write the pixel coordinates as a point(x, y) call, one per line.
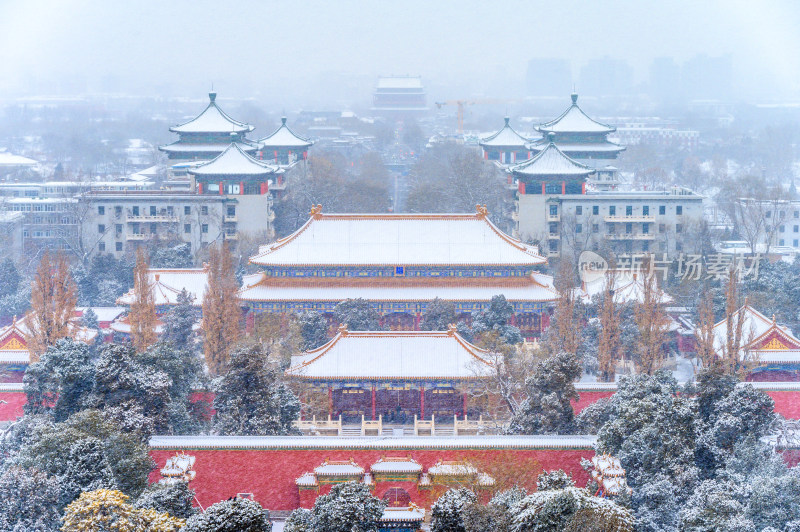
point(482, 211)
point(316, 211)
point(452, 329)
point(343, 329)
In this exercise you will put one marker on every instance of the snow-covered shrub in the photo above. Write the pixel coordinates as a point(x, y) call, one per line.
point(447, 511)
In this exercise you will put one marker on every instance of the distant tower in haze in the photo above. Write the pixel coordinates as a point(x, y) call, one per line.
point(398, 95)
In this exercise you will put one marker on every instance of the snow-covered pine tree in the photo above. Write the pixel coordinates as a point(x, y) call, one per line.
point(236, 515)
point(447, 511)
point(348, 507)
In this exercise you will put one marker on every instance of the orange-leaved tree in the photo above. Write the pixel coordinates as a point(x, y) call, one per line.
point(53, 300)
point(221, 311)
point(142, 314)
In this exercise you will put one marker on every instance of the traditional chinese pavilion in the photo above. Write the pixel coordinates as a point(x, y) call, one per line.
point(506, 146)
point(400, 263)
point(284, 146)
point(208, 135)
point(771, 348)
point(393, 374)
point(234, 172)
point(578, 135)
point(551, 171)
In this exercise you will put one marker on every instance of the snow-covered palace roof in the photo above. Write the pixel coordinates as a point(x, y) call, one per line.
point(397, 239)
point(212, 120)
point(551, 162)
point(506, 137)
point(762, 338)
point(168, 282)
point(233, 162)
point(393, 355)
point(574, 120)
point(283, 137)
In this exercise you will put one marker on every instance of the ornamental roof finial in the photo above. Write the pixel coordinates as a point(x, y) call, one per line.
point(452, 329)
point(574, 96)
point(507, 119)
point(212, 96)
point(482, 211)
point(316, 211)
point(343, 329)
point(283, 120)
point(551, 137)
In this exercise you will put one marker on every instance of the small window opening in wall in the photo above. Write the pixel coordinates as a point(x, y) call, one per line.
point(244, 496)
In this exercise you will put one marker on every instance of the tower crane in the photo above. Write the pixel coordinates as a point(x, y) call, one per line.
point(463, 103)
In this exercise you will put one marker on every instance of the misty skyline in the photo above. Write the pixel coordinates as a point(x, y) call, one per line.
point(326, 52)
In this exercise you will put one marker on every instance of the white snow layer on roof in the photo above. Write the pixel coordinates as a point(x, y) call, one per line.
point(284, 137)
point(372, 442)
point(401, 355)
point(233, 161)
point(403, 514)
point(212, 120)
point(396, 466)
point(570, 147)
point(754, 325)
point(552, 162)
point(190, 147)
point(505, 137)
point(531, 292)
point(574, 120)
point(168, 283)
point(9, 159)
point(338, 469)
point(399, 82)
point(397, 240)
point(628, 288)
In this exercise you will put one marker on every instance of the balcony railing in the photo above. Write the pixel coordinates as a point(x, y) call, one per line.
point(151, 218)
point(138, 236)
point(553, 217)
point(630, 236)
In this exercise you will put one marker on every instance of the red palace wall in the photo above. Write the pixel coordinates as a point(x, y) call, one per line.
point(589, 397)
point(270, 473)
point(12, 400)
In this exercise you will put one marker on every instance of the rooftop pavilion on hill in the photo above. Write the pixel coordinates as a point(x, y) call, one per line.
point(400, 263)
point(506, 146)
point(578, 135)
point(284, 146)
point(207, 135)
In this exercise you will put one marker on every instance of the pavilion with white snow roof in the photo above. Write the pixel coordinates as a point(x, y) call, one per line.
point(394, 374)
point(400, 263)
point(505, 146)
point(284, 146)
point(208, 135)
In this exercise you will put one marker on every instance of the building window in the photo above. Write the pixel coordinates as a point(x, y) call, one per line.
point(595, 209)
point(101, 246)
point(553, 229)
point(678, 246)
point(796, 228)
point(628, 246)
point(136, 210)
point(118, 210)
point(119, 246)
point(768, 214)
point(780, 242)
point(645, 229)
point(232, 210)
point(678, 228)
point(645, 246)
point(152, 210)
point(553, 210)
point(153, 228)
point(662, 210)
point(187, 210)
point(101, 210)
point(629, 228)
point(662, 228)
point(553, 245)
point(797, 214)
point(610, 229)
point(782, 214)
point(629, 210)
point(595, 228)
point(578, 228)
point(612, 210)
point(118, 228)
point(579, 210)
point(679, 210)
point(794, 242)
point(782, 228)
point(646, 210)
point(101, 228)
point(204, 228)
point(204, 210)
point(187, 228)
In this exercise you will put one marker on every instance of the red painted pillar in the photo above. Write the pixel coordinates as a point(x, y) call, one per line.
point(521, 187)
point(241, 188)
point(221, 188)
point(330, 401)
point(199, 188)
point(543, 187)
point(583, 187)
point(422, 402)
point(563, 187)
point(373, 403)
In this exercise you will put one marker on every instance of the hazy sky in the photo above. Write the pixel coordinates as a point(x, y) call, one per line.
point(251, 48)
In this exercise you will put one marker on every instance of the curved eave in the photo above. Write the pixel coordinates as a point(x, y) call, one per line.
point(236, 126)
point(551, 127)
